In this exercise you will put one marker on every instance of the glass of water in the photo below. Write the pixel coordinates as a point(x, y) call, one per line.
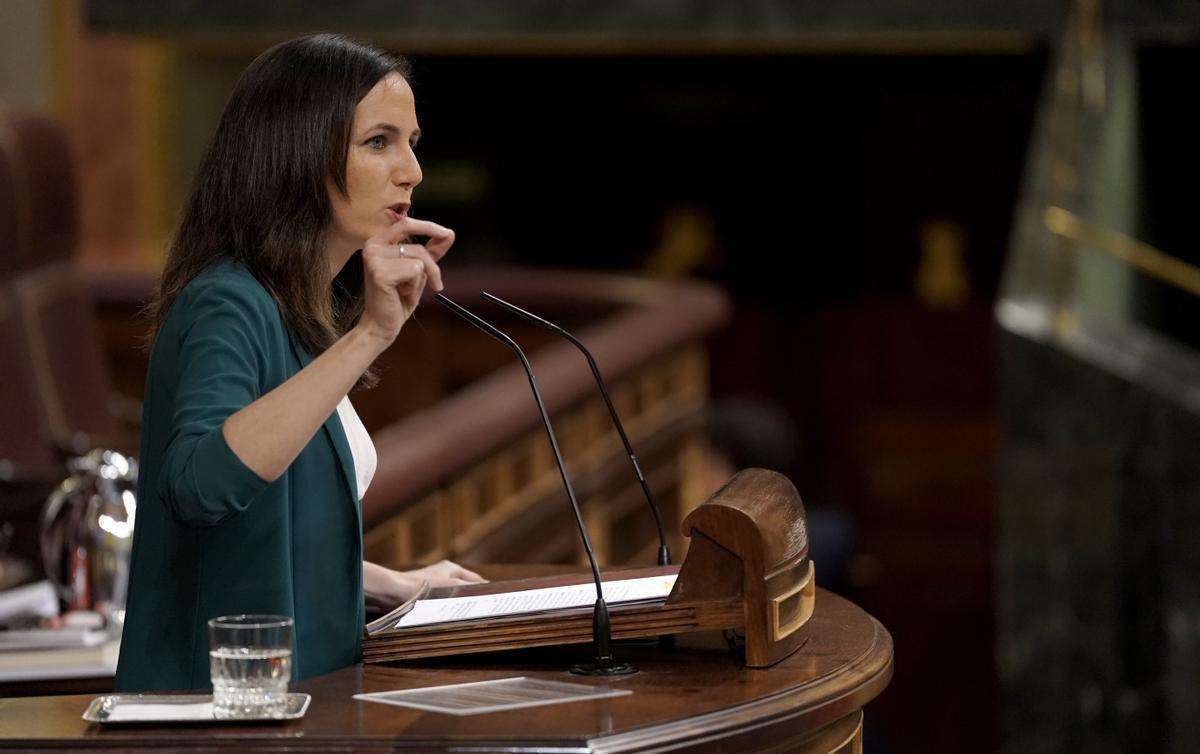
point(250, 661)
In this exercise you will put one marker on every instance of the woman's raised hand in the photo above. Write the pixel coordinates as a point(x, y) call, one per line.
point(395, 274)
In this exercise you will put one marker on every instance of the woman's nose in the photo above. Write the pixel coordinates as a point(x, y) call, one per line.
point(407, 171)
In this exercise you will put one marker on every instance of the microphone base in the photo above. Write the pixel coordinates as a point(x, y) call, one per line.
point(615, 668)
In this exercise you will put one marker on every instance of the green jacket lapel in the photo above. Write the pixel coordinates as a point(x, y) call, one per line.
point(336, 434)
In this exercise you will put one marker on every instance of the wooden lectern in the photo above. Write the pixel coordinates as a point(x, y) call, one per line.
point(747, 570)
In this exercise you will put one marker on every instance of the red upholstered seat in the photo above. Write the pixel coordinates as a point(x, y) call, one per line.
point(25, 444)
point(60, 343)
point(38, 202)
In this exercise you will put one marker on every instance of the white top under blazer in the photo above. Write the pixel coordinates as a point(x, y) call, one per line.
point(361, 447)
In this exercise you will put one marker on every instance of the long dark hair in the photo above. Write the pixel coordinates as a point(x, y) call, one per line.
point(260, 194)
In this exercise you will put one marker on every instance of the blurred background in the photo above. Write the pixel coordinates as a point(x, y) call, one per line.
point(939, 251)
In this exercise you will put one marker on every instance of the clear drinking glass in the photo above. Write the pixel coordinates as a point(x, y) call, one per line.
point(250, 661)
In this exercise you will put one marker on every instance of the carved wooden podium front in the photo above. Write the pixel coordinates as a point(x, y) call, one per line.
point(747, 570)
point(750, 541)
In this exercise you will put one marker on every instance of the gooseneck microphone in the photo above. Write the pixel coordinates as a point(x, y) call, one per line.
point(664, 555)
point(601, 625)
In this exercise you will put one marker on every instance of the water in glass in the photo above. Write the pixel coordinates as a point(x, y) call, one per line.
point(249, 682)
point(250, 662)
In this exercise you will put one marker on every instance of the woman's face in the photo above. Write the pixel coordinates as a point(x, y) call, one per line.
point(381, 169)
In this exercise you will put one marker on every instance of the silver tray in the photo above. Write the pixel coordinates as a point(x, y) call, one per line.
point(141, 709)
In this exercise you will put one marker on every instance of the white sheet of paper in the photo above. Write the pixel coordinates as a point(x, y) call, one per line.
point(451, 609)
point(151, 712)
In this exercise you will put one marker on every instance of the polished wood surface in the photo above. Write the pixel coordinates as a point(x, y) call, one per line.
point(56, 686)
point(747, 570)
point(753, 530)
point(694, 696)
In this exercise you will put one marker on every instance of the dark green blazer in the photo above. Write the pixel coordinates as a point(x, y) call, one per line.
point(212, 538)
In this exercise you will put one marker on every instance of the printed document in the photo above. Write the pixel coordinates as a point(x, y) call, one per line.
point(452, 609)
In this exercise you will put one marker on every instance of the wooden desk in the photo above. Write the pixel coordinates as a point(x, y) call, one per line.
point(695, 696)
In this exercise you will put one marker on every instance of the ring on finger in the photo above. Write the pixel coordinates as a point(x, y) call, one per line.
point(401, 249)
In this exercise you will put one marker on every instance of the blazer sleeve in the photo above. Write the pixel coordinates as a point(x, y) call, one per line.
point(222, 357)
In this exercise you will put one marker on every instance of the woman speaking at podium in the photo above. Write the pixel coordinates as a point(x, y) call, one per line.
point(293, 268)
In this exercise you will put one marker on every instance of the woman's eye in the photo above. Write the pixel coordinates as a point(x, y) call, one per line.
point(377, 142)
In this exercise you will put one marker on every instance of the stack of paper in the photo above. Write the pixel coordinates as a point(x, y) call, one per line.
point(528, 602)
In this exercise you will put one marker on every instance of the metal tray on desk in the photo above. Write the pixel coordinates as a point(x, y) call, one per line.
point(190, 708)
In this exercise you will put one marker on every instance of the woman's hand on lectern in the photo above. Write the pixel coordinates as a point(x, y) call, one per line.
point(385, 588)
point(446, 573)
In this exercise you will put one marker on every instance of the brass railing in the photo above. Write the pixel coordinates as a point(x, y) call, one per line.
point(1142, 256)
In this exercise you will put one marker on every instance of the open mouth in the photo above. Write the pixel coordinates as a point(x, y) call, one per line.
point(399, 211)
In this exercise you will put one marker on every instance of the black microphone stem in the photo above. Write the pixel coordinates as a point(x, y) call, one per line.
point(664, 554)
point(601, 626)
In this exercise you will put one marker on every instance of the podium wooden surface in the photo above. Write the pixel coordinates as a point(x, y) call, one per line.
point(746, 570)
point(695, 696)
